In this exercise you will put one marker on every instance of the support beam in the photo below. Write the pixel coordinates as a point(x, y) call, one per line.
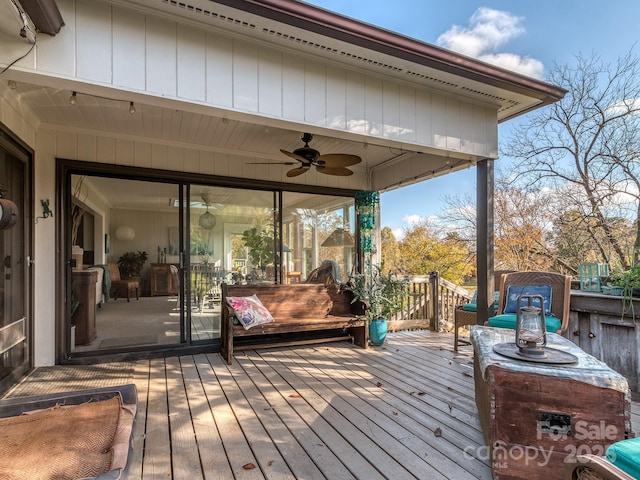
point(484, 239)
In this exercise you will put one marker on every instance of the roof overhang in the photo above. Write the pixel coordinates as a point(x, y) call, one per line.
point(312, 30)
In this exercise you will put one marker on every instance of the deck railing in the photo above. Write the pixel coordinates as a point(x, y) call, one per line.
point(430, 301)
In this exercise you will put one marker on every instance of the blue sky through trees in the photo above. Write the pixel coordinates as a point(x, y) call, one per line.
point(528, 36)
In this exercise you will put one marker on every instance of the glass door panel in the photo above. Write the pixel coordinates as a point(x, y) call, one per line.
point(318, 233)
point(127, 232)
point(233, 240)
point(14, 284)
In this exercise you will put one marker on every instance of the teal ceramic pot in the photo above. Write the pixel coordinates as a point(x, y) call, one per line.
point(377, 331)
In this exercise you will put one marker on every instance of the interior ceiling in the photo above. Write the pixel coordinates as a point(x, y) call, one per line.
point(163, 197)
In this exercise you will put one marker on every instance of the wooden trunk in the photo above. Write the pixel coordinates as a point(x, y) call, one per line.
point(536, 420)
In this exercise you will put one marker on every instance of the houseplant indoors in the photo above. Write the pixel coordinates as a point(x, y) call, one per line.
point(380, 293)
point(130, 264)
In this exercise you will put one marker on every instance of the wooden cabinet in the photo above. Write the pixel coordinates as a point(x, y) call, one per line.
point(163, 282)
point(84, 282)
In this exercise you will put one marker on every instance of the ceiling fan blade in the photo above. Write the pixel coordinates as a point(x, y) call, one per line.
point(294, 156)
point(270, 163)
point(339, 159)
point(297, 171)
point(338, 171)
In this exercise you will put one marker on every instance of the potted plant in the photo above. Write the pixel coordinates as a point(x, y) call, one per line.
point(380, 293)
point(627, 282)
point(130, 264)
point(260, 245)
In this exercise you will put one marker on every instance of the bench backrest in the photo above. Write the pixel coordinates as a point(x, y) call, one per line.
point(291, 303)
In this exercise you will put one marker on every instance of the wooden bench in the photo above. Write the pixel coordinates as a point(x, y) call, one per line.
point(300, 308)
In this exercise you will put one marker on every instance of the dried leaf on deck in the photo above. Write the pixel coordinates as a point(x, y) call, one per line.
point(438, 432)
point(248, 466)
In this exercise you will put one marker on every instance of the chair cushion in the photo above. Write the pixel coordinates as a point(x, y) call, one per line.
point(625, 455)
point(514, 291)
point(473, 306)
point(508, 320)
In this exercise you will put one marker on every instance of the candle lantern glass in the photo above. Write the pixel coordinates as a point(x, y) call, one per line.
point(531, 333)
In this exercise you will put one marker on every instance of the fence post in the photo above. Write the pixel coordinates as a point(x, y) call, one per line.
point(435, 297)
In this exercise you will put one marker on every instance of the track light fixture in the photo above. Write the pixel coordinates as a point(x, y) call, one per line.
point(73, 100)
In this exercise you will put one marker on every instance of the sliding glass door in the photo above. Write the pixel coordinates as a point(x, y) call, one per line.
point(148, 256)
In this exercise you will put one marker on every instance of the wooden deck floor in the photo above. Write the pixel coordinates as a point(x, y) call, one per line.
point(335, 411)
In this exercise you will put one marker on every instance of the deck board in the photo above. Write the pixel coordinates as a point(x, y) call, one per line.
point(331, 411)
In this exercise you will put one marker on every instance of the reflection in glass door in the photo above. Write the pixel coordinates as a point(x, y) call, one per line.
point(14, 280)
point(125, 277)
point(233, 240)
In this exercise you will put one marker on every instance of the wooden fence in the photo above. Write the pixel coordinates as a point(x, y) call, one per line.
point(429, 302)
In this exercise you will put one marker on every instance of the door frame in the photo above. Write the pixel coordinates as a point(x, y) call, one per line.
point(67, 167)
point(10, 143)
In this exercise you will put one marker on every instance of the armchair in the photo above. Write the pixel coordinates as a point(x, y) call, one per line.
point(467, 315)
point(518, 282)
point(122, 288)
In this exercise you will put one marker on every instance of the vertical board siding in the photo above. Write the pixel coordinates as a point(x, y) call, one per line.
point(315, 93)
point(424, 122)
point(125, 152)
point(293, 98)
point(336, 101)
point(373, 107)
point(391, 109)
point(219, 70)
point(355, 111)
point(245, 76)
point(191, 69)
point(408, 102)
point(94, 41)
point(87, 148)
point(105, 44)
point(129, 36)
point(270, 83)
point(453, 127)
point(161, 61)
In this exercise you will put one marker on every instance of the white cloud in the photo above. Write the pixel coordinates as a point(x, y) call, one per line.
point(488, 31)
point(398, 233)
point(624, 106)
point(412, 219)
point(524, 65)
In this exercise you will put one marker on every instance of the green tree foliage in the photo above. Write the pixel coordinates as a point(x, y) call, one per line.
point(390, 252)
point(423, 251)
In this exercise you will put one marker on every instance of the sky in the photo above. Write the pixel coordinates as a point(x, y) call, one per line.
point(528, 36)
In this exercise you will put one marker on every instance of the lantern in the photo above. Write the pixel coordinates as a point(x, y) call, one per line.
point(531, 331)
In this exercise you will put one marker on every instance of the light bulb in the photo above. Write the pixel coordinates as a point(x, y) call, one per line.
point(132, 108)
point(72, 98)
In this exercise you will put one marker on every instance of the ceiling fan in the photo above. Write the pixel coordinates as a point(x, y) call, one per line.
point(329, 164)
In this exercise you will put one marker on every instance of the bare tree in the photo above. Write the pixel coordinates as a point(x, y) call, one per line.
point(586, 146)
